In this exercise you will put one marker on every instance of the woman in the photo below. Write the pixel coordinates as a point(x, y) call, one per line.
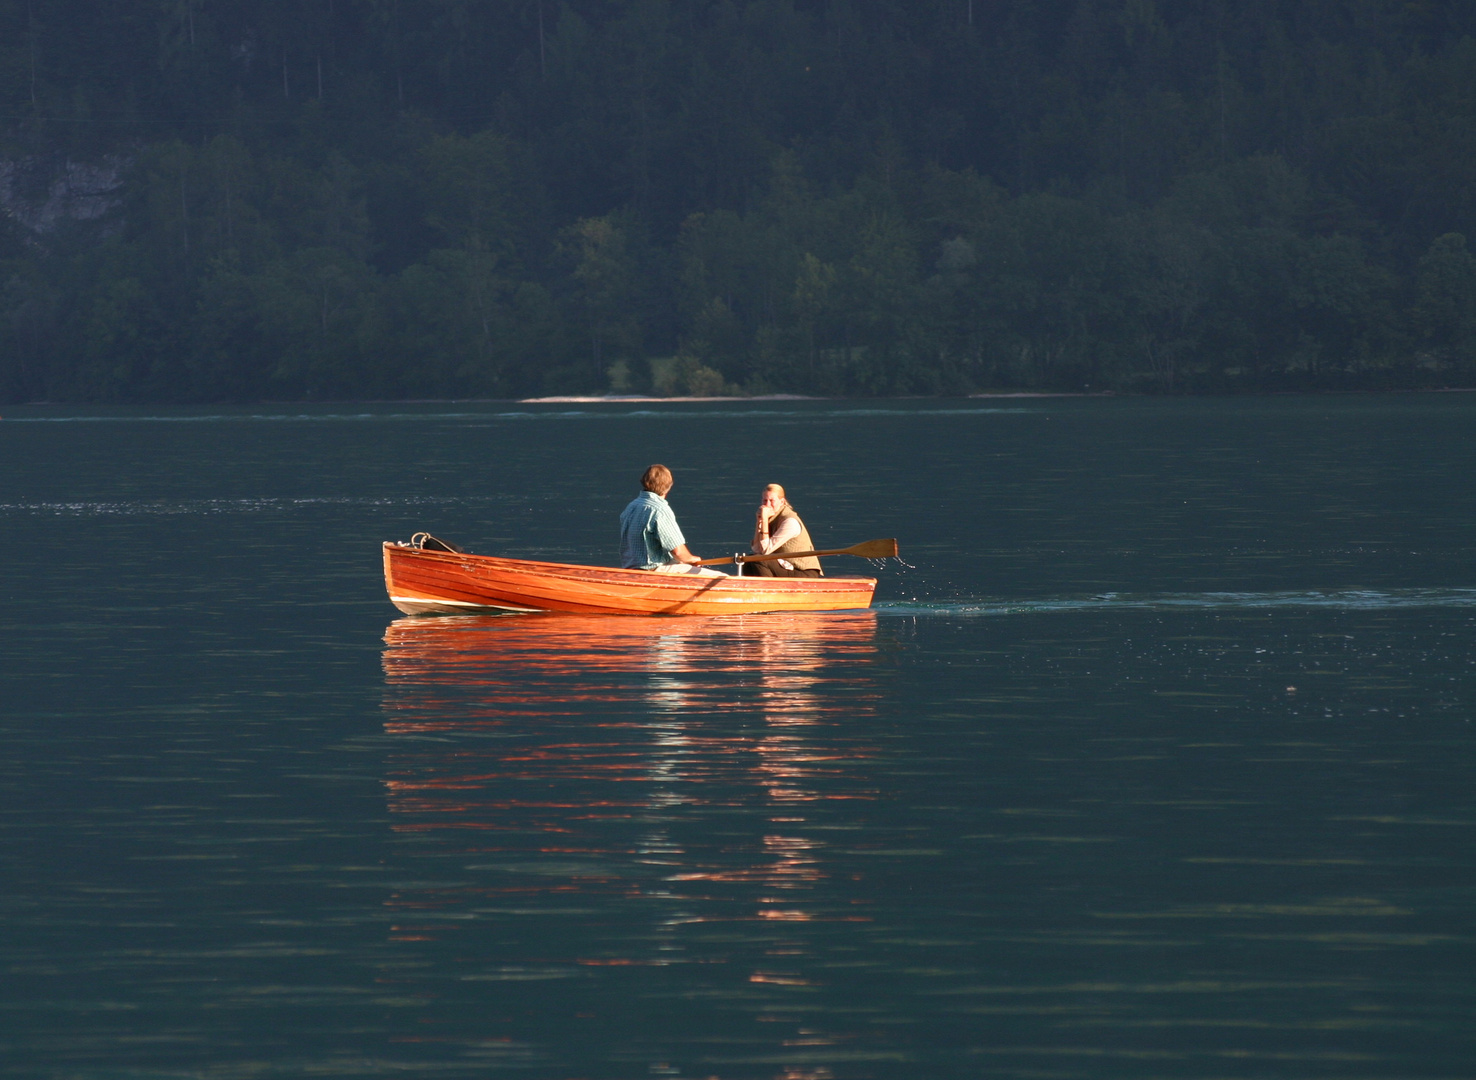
point(779, 529)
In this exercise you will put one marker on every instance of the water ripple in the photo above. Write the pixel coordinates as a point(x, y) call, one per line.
point(1336, 599)
point(150, 508)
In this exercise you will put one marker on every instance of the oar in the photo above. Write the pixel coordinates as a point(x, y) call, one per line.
point(872, 549)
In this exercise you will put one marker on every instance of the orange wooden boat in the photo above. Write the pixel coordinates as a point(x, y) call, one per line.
point(421, 581)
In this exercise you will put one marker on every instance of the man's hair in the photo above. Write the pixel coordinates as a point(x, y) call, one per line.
point(657, 478)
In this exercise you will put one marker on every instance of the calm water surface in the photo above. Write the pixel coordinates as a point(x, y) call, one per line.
point(1154, 759)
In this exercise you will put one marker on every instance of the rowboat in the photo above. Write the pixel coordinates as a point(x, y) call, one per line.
point(422, 581)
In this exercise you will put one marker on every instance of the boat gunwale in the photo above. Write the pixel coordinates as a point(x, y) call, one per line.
point(536, 582)
point(685, 582)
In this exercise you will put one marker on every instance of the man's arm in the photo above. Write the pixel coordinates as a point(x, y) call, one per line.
point(668, 536)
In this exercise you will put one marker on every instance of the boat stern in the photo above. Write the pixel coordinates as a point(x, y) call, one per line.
point(411, 579)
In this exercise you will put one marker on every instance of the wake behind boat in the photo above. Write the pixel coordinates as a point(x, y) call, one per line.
point(423, 581)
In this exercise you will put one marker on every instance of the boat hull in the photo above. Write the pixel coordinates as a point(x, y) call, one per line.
point(448, 583)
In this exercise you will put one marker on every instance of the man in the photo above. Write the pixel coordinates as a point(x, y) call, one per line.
point(649, 536)
point(779, 529)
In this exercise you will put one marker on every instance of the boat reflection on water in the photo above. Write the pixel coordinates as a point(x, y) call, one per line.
point(692, 764)
point(555, 664)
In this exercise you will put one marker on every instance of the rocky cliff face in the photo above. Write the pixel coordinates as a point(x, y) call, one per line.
point(41, 195)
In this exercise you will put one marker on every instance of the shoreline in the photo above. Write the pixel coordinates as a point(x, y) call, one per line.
point(633, 399)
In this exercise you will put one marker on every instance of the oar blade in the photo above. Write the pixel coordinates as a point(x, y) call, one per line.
point(875, 549)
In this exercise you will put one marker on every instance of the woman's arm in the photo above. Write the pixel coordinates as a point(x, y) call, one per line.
point(765, 541)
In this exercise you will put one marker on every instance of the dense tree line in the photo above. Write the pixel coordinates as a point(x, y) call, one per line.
point(432, 198)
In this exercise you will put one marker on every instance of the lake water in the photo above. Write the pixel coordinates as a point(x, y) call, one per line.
point(1154, 758)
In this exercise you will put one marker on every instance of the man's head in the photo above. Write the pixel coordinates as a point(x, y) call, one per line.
point(657, 479)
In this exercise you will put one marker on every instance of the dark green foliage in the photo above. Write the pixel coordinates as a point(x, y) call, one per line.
point(447, 198)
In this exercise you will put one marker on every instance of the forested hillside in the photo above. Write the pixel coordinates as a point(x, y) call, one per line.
point(249, 199)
